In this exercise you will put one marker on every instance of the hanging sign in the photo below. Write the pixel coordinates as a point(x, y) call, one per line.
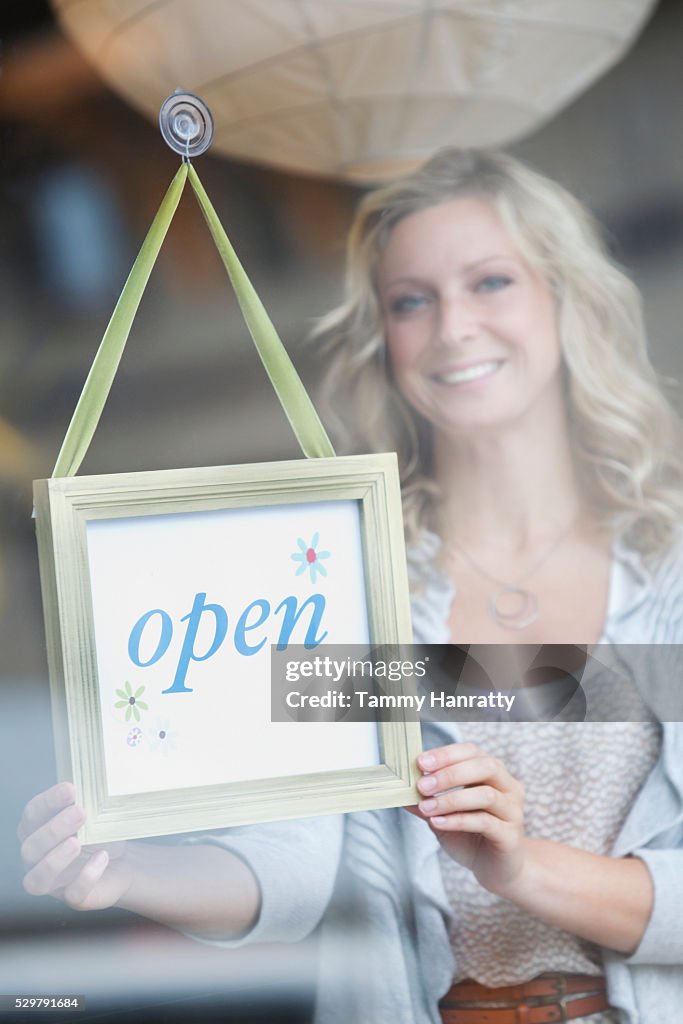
point(165, 593)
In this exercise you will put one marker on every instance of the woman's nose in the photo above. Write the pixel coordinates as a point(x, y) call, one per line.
point(457, 321)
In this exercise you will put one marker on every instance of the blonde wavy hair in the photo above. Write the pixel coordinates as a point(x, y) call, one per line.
point(627, 439)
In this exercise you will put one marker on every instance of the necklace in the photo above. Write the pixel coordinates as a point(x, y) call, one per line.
point(512, 605)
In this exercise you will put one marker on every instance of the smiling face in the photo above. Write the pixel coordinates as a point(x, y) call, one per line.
point(471, 328)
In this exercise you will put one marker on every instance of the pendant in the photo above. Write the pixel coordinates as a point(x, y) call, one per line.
point(513, 607)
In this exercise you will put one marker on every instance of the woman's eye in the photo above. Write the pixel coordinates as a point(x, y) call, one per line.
point(493, 283)
point(404, 304)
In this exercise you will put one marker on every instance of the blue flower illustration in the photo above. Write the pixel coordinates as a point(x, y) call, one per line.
point(162, 738)
point(310, 558)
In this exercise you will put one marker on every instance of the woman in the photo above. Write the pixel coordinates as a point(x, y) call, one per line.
point(486, 337)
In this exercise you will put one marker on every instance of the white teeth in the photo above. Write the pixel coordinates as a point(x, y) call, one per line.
point(469, 373)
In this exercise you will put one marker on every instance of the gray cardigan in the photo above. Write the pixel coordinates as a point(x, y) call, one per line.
point(385, 862)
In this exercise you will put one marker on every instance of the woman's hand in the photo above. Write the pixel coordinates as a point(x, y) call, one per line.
point(194, 888)
point(58, 865)
point(607, 900)
point(480, 823)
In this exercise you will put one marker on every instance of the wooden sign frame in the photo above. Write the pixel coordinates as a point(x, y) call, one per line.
point(69, 512)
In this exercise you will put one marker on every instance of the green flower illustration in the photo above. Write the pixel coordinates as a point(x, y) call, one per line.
point(131, 701)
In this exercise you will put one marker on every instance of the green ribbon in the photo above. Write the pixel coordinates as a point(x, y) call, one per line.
point(293, 396)
point(105, 364)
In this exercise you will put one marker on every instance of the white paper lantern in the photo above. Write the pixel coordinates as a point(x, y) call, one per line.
point(355, 89)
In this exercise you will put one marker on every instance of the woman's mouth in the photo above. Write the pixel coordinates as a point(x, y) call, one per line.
point(466, 374)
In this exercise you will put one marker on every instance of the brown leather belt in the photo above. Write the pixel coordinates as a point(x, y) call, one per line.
point(544, 1000)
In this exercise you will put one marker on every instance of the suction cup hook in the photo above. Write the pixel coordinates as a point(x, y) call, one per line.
point(186, 124)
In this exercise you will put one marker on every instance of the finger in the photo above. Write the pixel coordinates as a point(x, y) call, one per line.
point(45, 876)
point(77, 892)
point(69, 874)
point(451, 753)
point(41, 808)
point(39, 844)
point(476, 798)
point(474, 771)
point(114, 850)
point(483, 824)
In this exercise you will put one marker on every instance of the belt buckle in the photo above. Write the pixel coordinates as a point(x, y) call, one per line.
point(562, 1000)
point(560, 982)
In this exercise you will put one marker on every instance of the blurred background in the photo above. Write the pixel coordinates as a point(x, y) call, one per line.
point(81, 175)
